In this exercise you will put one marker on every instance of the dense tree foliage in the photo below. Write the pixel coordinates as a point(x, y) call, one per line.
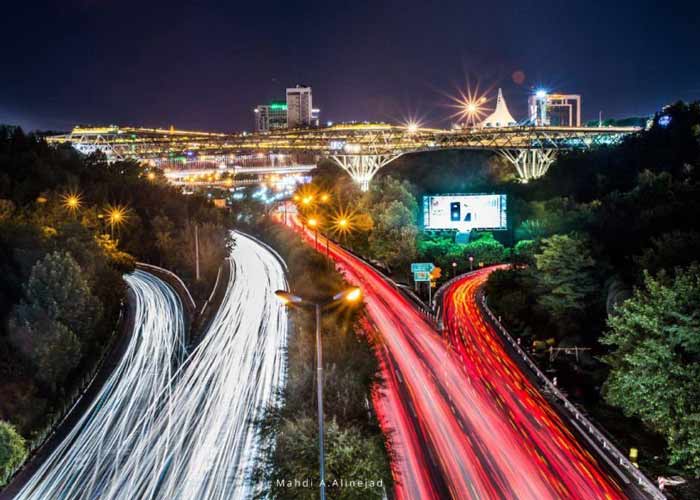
point(61, 263)
point(655, 360)
point(441, 249)
point(382, 223)
point(600, 223)
point(565, 272)
point(12, 450)
point(58, 310)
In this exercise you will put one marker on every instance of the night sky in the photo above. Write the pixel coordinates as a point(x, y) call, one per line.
point(205, 65)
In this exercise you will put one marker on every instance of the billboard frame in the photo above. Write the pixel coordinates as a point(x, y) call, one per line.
point(424, 207)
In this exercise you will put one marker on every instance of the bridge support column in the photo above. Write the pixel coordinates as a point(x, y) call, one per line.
point(362, 168)
point(530, 163)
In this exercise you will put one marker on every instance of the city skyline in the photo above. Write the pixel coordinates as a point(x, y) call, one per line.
point(206, 68)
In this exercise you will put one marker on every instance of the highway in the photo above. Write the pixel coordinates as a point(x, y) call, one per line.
point(160, 432)
point(205, 443)
point(88, 460)
point(454, 432)
point(567, 468)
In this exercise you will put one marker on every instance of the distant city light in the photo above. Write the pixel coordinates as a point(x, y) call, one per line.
point(664, 121)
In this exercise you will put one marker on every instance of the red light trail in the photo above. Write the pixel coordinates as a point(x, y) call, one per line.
point(461, 417)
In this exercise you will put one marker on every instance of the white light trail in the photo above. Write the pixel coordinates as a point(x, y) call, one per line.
point(206, 448)
point(198, 438)
point(88, 459)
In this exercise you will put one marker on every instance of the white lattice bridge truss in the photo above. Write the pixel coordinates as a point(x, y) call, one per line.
point(360, 149)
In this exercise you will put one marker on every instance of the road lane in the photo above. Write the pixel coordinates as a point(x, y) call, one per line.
point(89, 458)
point(561, 459)
point(160, 432)
point(481, 450)
point(203, 447)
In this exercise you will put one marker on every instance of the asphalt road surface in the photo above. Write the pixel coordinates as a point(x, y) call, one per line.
point(455, 430)
point(88, 461)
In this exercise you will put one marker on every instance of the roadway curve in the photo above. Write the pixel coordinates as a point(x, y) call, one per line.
point(561, 466)
point(157, 432)
point(88, 459)
point(451, 436)
point(206, 439)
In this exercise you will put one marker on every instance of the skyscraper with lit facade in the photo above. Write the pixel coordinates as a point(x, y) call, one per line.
point(299, 107)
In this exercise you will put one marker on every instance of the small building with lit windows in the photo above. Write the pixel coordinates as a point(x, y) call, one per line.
point(270, 116)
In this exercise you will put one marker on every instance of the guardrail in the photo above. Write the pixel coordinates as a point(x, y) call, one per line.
point(425, 310)
point(609, 451)
point(35, 444)
point(150, 267)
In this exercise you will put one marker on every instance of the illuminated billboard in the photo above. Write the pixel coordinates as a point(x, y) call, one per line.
point(464, 212)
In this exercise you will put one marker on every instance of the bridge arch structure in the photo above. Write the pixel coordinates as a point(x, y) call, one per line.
point(359, 149)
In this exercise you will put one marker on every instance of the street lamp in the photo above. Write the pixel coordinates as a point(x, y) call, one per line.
point(471, 262)
point(116, 215)
point(72, 202)
point(351, 295)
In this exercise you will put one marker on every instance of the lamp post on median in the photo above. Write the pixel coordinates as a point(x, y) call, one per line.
point(351, 295)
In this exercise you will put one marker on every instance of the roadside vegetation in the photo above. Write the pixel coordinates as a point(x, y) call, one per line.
point(70, 227)
point(355, 446)
point(604, 251)
point(383, 224)
point(609, 247)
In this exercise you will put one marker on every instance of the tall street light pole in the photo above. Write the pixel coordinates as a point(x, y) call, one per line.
point(351, 295)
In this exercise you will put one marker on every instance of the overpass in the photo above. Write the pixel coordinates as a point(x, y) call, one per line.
point(361, 149)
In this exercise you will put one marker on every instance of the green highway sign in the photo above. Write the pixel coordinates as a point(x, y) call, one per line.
point(422, 267)
point(421, 276)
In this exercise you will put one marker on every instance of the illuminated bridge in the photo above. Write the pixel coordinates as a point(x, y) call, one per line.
point(360, 149)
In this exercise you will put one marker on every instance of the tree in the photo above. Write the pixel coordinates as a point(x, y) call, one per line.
point(58, 289)
point(393, 239)
point(163, 232)
point(350, 454)
point(565, 275)
point(509, 294)
point(484, 248)
point(524, 252)
point(58, 310)
point(12, 450)
point(655, 361)
point(48, 344)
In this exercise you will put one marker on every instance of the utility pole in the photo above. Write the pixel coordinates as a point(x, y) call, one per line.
point(319, 399)
point(196, 251)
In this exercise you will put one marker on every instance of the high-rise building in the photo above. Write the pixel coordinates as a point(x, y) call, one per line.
point(270, 116)
point(299, 108)
point(556, 110)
